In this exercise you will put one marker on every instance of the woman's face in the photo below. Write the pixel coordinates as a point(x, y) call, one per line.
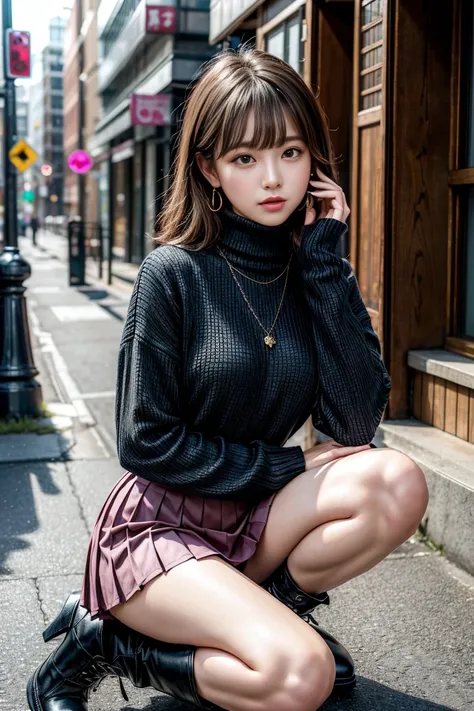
point(248, 177)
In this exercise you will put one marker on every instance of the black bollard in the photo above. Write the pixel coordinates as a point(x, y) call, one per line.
point(20, 394)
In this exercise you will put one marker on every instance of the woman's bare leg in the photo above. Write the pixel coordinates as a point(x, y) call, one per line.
point(339, 520)
point(253, 653)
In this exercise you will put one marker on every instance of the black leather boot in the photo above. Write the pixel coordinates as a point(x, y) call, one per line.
point(282, 586)
point(94, 649)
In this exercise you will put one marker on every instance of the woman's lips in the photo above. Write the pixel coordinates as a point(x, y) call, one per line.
point(273, 206)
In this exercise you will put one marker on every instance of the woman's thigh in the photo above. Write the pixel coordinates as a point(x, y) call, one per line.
point(382, 478)
point(208, 603)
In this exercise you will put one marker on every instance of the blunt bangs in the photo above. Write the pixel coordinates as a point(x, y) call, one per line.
point(269, 108)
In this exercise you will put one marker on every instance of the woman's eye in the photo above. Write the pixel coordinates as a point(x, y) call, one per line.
point(292, 149)
point(243, 156)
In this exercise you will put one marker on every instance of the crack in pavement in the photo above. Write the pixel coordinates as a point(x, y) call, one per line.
point(82, 514)
point(38, 595)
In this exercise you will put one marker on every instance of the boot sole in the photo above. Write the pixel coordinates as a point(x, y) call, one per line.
point(32, 690)
point(344, 688)
point(32, 694)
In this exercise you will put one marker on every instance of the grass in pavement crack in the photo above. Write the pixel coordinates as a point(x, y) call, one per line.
point(28, 425)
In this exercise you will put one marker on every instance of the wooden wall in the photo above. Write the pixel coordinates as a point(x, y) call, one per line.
point(444, 405)
point(417, 164)
point(368, 207)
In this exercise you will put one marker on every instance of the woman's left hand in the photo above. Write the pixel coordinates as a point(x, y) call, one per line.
point(333, 200)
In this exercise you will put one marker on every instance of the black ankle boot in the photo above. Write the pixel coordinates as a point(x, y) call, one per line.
point(94, 649)
point(282, 586)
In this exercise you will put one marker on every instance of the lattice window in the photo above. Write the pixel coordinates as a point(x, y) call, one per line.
point(371, 51)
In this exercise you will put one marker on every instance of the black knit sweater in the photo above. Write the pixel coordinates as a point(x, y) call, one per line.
point(204, 406)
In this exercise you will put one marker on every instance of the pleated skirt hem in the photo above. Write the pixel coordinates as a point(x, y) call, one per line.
point(144, 530)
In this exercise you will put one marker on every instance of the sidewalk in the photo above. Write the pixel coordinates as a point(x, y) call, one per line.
point(409, 623)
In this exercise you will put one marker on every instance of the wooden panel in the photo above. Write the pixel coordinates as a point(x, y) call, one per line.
point(419, 162)
point(333, 76)
point(465, 176)
point(439, 403)
point(369, 227)
point(461, 346)
point(427, 399)
point(451, 408)
point(368, 164)
point(417, 390)
point(470, 433)
point(462, 424)
point(444, 405)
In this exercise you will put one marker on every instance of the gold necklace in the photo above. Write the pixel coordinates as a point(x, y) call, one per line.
point(250, 278)
point(269, 340)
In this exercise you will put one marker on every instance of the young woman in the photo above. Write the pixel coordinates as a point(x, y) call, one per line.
point(242, 324)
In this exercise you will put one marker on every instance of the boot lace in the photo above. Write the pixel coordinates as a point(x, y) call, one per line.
point(96, 672)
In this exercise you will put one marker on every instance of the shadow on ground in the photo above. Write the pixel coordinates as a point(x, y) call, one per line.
point(19, 516)
point(368, 696)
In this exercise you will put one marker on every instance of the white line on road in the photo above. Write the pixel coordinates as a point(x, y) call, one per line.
point(97, 396)
point(48, 346)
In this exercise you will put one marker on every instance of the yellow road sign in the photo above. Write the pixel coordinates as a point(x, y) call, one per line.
point(22, 155)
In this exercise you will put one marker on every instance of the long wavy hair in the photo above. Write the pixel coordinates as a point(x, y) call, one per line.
point(229, 87)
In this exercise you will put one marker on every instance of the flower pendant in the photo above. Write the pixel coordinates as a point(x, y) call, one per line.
point(270, 341)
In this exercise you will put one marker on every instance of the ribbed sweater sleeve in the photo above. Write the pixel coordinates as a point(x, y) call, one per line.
point(354, 384)
point(154, 441)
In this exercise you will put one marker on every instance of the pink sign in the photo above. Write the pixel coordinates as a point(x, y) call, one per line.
point(151, 110)
point(160, 19)
point(80, 162)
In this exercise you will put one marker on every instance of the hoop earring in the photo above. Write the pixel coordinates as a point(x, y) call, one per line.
point(308, 203)
point(212, 207)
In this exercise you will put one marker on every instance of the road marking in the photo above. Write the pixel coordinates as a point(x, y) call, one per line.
point(61, 370)
point(97, 396)
point(91, 312)
point(45, 289)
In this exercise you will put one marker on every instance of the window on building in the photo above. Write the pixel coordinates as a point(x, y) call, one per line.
point(461, 327)
point(56, 33)
point(195, 4)
point(284, 38)
point(57, 83)
point(56, 102)
point(116, 27)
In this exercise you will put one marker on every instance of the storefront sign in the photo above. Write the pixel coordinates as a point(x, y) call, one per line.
point(80, 162)
point(151, 110)
point(160, 19)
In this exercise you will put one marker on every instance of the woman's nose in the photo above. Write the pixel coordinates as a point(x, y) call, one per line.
point(271, 180)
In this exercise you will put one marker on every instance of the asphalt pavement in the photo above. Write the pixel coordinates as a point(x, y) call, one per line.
point(409, 623)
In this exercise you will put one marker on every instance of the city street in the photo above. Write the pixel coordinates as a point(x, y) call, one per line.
point(409, 623)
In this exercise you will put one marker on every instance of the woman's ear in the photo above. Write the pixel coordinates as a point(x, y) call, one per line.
point(207, 169)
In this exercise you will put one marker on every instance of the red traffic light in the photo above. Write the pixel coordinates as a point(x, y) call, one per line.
point(19, 54)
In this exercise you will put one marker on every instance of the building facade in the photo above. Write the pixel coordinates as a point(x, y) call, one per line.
point(72, 105)
point(51, 194)
point(146, 48)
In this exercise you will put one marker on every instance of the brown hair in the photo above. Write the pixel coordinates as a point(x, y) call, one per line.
point(232, 85)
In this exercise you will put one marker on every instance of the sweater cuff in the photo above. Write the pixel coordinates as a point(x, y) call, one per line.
point(325, 232)
point(285, 463)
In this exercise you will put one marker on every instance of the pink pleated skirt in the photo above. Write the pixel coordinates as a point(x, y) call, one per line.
point(144, 530)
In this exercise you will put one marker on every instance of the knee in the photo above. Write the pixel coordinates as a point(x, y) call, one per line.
point(402, 493)
point(300, 679)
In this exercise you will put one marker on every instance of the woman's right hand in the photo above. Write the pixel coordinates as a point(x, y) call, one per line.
point(327, 452)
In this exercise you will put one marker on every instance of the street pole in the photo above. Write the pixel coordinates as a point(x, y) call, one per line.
point(10, 217)
point(20, 394)
point(80, 138)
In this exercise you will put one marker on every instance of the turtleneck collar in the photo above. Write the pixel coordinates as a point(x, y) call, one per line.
point(252, 245)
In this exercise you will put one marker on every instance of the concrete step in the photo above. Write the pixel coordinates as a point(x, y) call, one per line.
point(448, 464)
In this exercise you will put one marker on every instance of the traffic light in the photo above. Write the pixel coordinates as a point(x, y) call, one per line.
point(19, 54)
